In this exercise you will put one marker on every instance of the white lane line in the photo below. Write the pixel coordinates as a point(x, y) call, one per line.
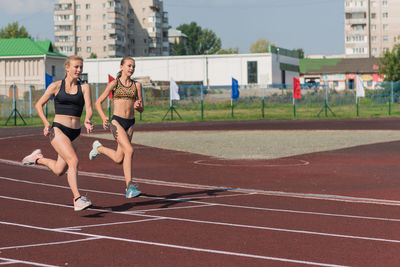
point(188, 200)
point(27, 262)
point(78, 228)
point(177, 208)
point(228, 224)
point(178, 246)
point(51, 243)
point(338, 198)
point(17, 136)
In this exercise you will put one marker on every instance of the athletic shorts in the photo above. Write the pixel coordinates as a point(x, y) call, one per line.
point(71, 133)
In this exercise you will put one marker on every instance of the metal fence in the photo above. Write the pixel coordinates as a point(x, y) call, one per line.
point(382, 100)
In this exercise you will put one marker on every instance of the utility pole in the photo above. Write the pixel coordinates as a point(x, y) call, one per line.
point(369, 28)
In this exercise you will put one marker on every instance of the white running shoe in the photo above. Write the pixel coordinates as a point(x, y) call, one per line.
point(31, 159)
point(94, 152)
point(82, 203)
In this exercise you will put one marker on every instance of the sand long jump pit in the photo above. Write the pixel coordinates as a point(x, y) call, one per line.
point(258, 144)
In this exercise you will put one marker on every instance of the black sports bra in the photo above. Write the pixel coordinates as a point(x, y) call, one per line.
point(69, 104)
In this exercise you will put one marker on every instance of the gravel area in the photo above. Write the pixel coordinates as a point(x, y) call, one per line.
point(244, 144)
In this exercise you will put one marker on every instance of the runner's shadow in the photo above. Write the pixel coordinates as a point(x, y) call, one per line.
point(165, 201)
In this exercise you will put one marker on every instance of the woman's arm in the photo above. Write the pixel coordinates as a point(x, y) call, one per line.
point(139, 106)
point(88, 107)
point(50, 92)
point(101, 99)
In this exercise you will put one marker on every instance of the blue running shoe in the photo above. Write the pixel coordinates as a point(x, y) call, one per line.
point(131, 191)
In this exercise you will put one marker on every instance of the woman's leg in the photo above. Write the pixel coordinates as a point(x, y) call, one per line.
point(66, 155)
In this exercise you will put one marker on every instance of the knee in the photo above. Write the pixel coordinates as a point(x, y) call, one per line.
point(129, 152)
point(73, 163)
point(60, 172)
point(119, 160)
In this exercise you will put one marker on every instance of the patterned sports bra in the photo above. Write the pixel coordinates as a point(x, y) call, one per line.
point(121, 91)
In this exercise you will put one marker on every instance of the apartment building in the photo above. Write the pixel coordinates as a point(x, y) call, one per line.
point(371, 27)
point(106, 28)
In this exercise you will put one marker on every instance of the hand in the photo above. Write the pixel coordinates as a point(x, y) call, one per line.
point(105, 123)
point(89, 126)
point(138, 105)
point(47, 130)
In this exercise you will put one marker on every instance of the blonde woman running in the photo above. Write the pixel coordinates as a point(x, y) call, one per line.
point(127, 96)
point(69, 98)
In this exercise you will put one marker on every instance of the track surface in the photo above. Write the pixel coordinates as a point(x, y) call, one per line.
point(329, 208)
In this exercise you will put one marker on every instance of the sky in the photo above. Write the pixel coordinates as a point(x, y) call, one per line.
point(316, 26)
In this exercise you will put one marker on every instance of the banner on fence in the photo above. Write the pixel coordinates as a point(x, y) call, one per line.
point(110, 79)
point(235, 89)
point(360, 87)
point(296, 88)
point(173, 90)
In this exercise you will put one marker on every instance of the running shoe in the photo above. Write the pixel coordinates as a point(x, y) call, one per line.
point(94, 152)
point(131, 191)
point(82, 203)
point(33, 157)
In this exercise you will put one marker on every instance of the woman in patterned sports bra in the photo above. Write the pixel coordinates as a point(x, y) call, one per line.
point(69, 98)
point(127, 96)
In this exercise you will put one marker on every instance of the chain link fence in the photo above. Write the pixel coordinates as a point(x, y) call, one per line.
point(263, 101)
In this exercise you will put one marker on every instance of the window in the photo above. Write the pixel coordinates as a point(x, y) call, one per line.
point(104, 16)
point(385, 27)
point(373, 39)
point(88, 27)
point(104, 48)
point(78, 17)
point(373, 15)
point(104, 27)
point(77, 7)
point(252, 72)
point(373, 27)
point(79, 49)
point(53, 70)
point(385, 38)
point(385, 3)
point(78, 28)
point(87, 17)
point(89, 38)
point(78, 39)
point(373, 3)
point(374, 51)
point(385, 15)
point(88, 49)
point(87, 6)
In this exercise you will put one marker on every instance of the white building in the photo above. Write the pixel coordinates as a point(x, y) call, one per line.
point(24, 62)
point(277, 67)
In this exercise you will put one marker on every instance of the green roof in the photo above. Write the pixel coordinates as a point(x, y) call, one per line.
point(307, 64)
point(26, 47)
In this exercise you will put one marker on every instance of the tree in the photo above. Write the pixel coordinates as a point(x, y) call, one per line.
point(389, 64)
point(300, 51)
point(93, 55)
point(12, 30)
point(179, 49)
point(229, 51)
point(200, 41)
point(261, 46)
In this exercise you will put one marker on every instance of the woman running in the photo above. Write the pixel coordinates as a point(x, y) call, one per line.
point(127, 96)
point(69, 98)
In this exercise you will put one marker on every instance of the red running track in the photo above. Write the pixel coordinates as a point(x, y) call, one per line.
point(340, 209)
